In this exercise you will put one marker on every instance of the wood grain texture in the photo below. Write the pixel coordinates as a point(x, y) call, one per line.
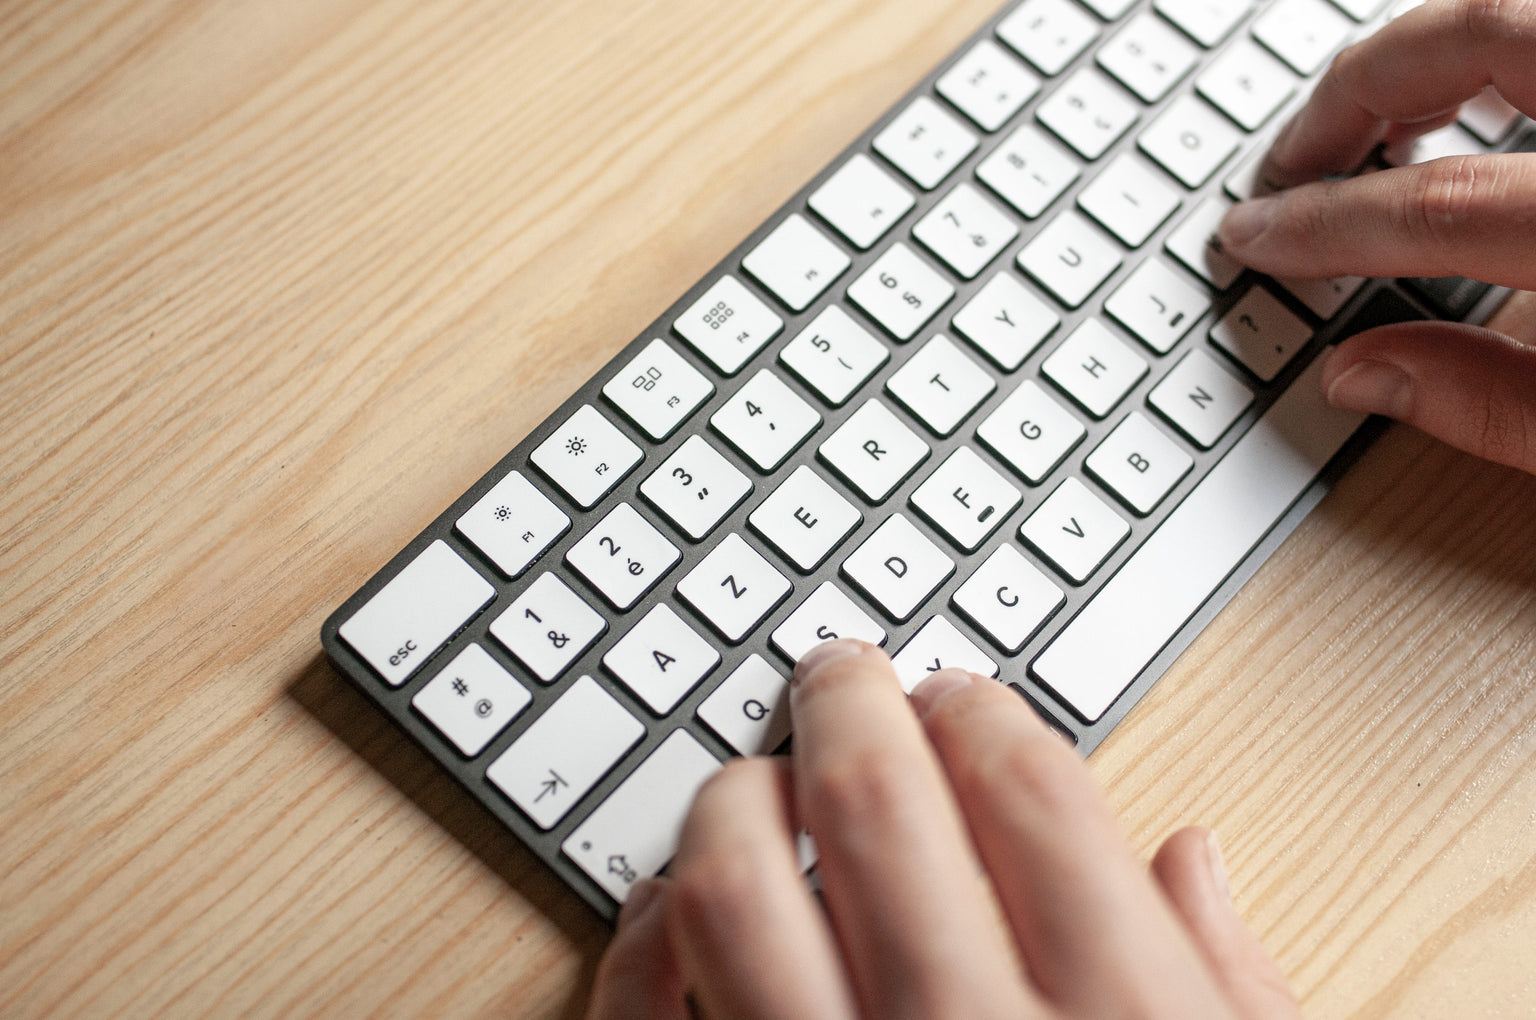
point(279, 280)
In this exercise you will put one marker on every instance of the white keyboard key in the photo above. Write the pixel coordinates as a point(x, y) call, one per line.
point(733, 588)
point(1450, 140)
point(1008, 598)
point(728, 325)
point(1030, 432)
point(873, 451)
point(988, 85)
point(898, 567)
point(797, 262)
point(695, 488)
point(623, 556)
point(634, 833)
point(416, 612)
point(1029, 170)
point(471, 700)
point(1048, 33)
point(900, 291)
point(1074, 530)
point(1260, 333)
point(861, 201)
point(1144, 605)
point(1138, 464)
point(805, 519)
point(1488, 116)
point(1157, 305)
point(1094, 367)
point(1148, 57)
point(1326, 296)
point(1109, 10)
point(750, 708)
point(1070, 258)
point(513, 523)
point(1190, 140)
point(547, 626)
point(925, 143)
point(1303, 33)
point(765, 420)
point(1247, 84)
point(658, 390)
point(965, 230)
point(661, 659)
point(565, 752)
point(940, 385)
point(834, 355)
point(1005, 321)
point(1360, 10)
point(586, 457)
point(825, 615)
point(966, 499)
point(1129, 198)
point(1246, 180)
point(1207, 22)
point(939, 645)
point(1088, 112)
point(1200, 398)
point(1195, 244)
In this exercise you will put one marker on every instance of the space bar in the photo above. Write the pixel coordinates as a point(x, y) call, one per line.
point(1096, 656)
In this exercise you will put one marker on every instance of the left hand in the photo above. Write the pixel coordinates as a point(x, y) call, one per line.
point(969, 865)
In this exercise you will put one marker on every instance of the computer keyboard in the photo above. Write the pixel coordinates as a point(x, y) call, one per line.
point(986, 392)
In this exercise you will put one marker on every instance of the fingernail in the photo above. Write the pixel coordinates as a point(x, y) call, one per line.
point(933, 688)
point(824, 653)
point(1218, 866)
point(1246, 220)
point(1374, 387)
point(641, 901)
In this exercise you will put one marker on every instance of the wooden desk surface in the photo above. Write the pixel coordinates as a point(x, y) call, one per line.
point(278, 280)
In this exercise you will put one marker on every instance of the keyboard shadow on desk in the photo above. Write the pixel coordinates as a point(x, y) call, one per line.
point(331, 701)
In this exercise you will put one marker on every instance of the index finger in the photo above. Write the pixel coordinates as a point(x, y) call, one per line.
point(917, 923)
point(1414, 70)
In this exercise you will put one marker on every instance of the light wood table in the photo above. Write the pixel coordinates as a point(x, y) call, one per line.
point(279, 279)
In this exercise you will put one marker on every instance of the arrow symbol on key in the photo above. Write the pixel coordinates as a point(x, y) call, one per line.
point(550, 785)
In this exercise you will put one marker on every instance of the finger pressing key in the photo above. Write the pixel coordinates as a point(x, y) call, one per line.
point(920, 932)
point(1413, 71)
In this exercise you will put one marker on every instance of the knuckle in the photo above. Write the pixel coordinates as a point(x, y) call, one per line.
point(1494, 20)
point(866, 789)
point(1507, 427)
point(1041, 770)
point(1448, 196)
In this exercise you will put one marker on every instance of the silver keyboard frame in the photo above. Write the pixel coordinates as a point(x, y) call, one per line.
point(395, 702)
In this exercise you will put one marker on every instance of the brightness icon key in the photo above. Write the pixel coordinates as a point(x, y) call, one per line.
point(471, 700)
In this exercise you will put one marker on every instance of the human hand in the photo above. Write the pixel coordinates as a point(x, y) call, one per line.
point(1459, 216)
point(969, 868)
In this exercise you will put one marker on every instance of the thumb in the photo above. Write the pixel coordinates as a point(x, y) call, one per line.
point(1465, 385)
point(1189, 869)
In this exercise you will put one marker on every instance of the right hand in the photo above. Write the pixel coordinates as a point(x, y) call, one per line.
point(1458, 216)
